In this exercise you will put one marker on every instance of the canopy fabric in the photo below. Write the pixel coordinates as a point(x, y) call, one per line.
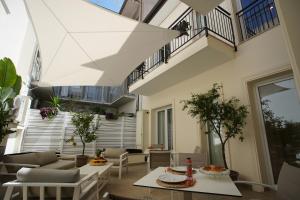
point(84, 44)
point(202, 6)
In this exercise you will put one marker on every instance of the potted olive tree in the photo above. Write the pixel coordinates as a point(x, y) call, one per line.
point(85, 129)
point(10, 85)
point(226, 118)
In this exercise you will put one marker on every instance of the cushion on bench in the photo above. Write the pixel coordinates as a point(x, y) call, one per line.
point(48, 175)
point(60, 164)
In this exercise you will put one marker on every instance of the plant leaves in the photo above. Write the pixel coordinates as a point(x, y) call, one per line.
point(6, 93)
point(18, 84)
point(8, 73)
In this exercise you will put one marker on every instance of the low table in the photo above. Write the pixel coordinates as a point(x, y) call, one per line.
point(103, 173)
point(220, 185)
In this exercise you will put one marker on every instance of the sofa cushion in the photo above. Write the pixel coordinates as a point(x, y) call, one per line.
point(48, 175)
point(114, 152)
point(24, 158)
point(21, 158)
point(46, 157)
point(60, 164)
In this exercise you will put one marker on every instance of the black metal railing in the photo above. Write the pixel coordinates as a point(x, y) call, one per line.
point(93, 94)
point(190, 25)
point(257, 17)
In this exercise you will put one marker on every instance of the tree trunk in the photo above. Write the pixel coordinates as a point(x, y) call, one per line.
point(224, 156)
point(83, 148)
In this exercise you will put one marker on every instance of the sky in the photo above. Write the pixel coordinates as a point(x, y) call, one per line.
point(114, 5)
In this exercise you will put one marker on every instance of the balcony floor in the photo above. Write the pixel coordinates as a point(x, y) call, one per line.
point(125, 187)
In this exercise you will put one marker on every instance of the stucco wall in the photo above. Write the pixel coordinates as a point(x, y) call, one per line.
point(256, 58)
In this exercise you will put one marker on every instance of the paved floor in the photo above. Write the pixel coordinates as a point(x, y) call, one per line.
point(125, 188)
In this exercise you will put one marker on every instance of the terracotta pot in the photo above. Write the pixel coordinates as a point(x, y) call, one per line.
point(234, 175)
point(81, 160)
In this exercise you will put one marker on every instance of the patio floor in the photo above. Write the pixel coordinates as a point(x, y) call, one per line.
point(125, 188)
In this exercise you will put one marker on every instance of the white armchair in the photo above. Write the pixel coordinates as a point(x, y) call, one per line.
point(119, 158)
point(54, 182)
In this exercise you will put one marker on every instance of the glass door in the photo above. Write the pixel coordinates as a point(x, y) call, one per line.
point(215, 149)
point(165, 128)
point(280, 109)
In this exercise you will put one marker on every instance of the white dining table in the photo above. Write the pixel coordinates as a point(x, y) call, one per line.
point(218, 185)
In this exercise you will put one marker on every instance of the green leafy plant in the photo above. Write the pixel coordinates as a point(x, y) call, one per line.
point(10, 86)
point(51, 111)
point(226, 118)
point(99, 152)
point(85, 129)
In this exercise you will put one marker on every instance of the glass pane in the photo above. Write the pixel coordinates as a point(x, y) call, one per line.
point(170, 129)
point(281, 113)
point(161, 127)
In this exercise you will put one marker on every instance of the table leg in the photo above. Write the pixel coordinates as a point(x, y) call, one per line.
point(187, 196)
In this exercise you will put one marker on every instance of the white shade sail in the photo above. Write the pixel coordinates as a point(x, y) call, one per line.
point(202, 6)
point(83, 44)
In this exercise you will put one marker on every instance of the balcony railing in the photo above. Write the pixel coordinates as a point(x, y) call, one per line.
point(259, 16)
point(217, 22)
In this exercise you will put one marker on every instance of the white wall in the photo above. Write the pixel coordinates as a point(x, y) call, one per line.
point(129, 107)
point(17, 38)
point(258, 57)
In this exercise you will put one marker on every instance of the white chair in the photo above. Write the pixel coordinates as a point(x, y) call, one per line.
point(119, 158)
point(159, 159)
point(198, 159)
point(288, 185)
point(80, 187)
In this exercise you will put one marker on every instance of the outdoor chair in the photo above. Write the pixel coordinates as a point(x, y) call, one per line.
point(159, 159)
point(119, 158)
point(288, 185)
point(156, 147)
point(53, 184)
point(198, 159)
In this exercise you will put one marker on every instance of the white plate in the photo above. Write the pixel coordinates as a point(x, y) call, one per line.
point(179, 169)
point(172, 178)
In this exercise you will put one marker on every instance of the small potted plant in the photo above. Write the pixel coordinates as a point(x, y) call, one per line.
point(85, 129)
point(226, 118)
point(99, 153)
point(51, 111)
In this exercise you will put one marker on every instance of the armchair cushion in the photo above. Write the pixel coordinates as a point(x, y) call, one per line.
point(48, 175)
point(46, 157)
point(114, 152)
point(116, 161)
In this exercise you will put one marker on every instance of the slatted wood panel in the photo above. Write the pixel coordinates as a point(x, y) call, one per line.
point(42, 135)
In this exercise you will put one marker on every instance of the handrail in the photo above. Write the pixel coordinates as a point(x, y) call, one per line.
point(190, 24)
point(257, 17)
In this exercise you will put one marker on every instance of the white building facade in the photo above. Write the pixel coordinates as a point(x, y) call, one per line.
point(265, 56)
